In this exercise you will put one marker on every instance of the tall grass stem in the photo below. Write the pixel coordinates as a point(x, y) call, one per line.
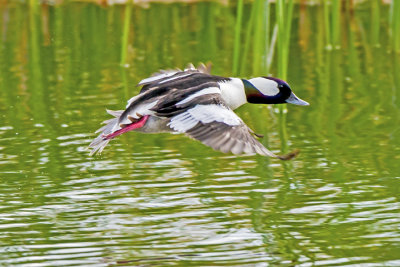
point(247, 41)
point(336, 17)
point(125, 34)
point(236, 46)
point(284, 14)
point(395, 24)
point(259, 38)
point(375, 26)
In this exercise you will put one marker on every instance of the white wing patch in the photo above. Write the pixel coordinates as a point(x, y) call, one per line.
point(204, 114)
point(206, 91)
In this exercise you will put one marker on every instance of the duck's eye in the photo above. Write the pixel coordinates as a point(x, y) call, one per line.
point(280, 86)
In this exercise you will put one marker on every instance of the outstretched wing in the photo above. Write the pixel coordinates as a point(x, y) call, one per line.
point(165, 76)
point(206, 117)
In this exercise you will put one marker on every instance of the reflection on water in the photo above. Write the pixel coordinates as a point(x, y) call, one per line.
point(165, 199)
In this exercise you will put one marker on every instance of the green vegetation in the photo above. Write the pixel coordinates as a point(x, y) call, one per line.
point(259, 29)
point(167, 200)
point(259, 34)
point(238, 33)
point(395, 24)
point(266, 32)
point(125, 35)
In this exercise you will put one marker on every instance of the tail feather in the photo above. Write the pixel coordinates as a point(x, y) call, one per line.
point(100, 142)
point(115, 113)
point(107, 123)
point(98, 145)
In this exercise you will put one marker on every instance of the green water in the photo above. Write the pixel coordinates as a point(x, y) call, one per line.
point(166, 200)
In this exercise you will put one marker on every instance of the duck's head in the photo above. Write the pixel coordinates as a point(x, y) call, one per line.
point(270, 90)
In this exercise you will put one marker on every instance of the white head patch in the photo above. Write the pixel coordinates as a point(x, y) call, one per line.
point(265, 86)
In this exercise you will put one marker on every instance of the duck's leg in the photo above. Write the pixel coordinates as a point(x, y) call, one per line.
point(128, 127)
point(290, 155)
point(259, 135)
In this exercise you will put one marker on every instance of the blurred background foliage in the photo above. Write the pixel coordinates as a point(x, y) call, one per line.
point(165, 198)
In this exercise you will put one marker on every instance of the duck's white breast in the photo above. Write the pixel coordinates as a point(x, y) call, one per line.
point(233, 92)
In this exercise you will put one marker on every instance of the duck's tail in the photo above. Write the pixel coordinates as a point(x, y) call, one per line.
point(100, 142)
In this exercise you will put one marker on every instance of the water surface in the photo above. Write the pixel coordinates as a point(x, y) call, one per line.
point(166, 199)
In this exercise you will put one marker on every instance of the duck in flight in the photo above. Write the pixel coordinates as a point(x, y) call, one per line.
point(200, 105)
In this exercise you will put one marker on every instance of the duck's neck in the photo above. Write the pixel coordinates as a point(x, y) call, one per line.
point(233, 92)
point(249, 88)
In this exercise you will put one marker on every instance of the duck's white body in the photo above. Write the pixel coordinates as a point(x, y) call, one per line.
point(197, 104)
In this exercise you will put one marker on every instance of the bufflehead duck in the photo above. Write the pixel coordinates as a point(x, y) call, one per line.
point(200, 105)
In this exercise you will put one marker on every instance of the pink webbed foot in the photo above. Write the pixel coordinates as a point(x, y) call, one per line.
point(129, 127)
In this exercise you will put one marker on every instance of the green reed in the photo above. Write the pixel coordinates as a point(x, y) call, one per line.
point(261, 26)
point(395, 24)
point(327, 25)
point(34, 29)
point(125, 34)
point(375, 23)
point(256, 41)
point(332, 17)
point(284, 14)
point(336, 25)
point(238, 29)
point(260, 42)
point(352, 41)
point(247, 40)
point(34, 52)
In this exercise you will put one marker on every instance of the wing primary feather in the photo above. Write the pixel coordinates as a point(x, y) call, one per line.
point(237, 148)
point(227, 146)
point(217, 142)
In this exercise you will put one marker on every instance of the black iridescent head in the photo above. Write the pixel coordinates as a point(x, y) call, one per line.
point(270, 90)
